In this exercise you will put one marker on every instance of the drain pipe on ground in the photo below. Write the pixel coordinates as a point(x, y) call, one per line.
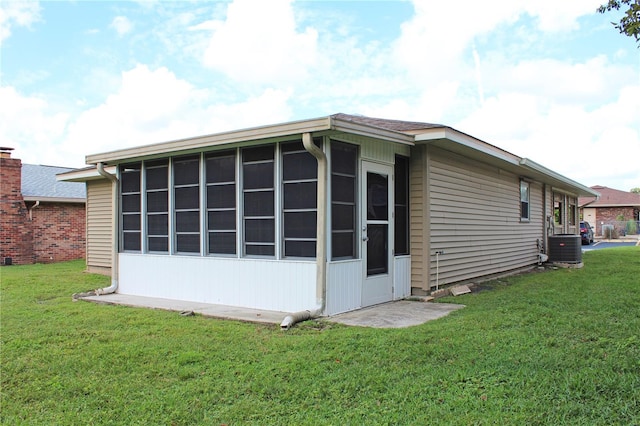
point(114, 232)
point(321, 238)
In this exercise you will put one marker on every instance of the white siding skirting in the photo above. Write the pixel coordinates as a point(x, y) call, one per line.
point(401, 277)
point(344, 286)
point(277, 285)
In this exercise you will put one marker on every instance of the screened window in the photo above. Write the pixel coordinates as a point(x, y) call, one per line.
point(131, 209)
point(524, 200)
point(344, 167)
point(259, 200)
point(157, 198)
point(401, 215)
point(221, 202)
point(558, 208)
point(572, 211)
point(186, 194)
point(299, 195)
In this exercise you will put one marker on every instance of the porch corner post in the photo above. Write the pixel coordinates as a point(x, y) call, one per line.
point(114, 234)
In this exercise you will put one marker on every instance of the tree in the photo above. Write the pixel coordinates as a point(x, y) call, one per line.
point(635, 190)
point(630, 22)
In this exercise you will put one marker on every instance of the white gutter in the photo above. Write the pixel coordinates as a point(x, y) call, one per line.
point(450, 134)
point(321, 238)
point(114, 224)
point(532, 165)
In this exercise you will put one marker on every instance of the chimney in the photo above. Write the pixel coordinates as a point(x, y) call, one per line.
point(16, 236)
point(5, 152)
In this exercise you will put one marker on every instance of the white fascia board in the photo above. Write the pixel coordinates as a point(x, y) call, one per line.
point(468, 141)
point(55, 199)
point(582, 189)
point(83, 175)
point(542, 173)
point(614, 205)
point(196, 143)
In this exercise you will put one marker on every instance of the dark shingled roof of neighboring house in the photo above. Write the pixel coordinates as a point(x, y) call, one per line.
point(40, 181)
point(610, 197)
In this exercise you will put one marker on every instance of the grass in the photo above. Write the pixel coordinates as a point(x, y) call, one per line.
point(559, 347)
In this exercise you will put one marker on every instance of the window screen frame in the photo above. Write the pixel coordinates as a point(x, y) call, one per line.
point(178, 210)
point(153, 215)
point(220, 205)
point(298, 214)
point(352, 205)
point(134, 194)
point(259, 228)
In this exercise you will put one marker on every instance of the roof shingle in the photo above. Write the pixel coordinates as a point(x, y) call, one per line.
point(383, 123)
point(40, 181)
point(611, 197)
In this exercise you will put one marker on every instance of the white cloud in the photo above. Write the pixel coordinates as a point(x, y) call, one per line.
point(17, 13)
point(155, 106)
point(587, 146)
point(29, 125)
point(122, 25)
point(259, 43)
point(591, 81)
point(560, 15)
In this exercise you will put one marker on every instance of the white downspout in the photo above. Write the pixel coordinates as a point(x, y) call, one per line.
point(321, 238)
point(114, 223)
point(31, 210)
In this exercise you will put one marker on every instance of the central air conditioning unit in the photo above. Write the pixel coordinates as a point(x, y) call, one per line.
point(565, 248)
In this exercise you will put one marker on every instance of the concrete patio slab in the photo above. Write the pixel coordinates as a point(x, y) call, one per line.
point(388, 315)
point(400, 314)
point(205, 309)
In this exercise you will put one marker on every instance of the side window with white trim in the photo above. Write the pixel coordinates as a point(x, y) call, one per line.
point(525, 195)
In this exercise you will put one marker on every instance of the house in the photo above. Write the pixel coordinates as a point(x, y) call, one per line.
point(41, 220)
point(606, 210)
point(324, 215)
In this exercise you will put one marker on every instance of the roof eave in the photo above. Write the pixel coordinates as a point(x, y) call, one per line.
point(448, 133)
point(559, 180)
point(255, 133)
point(252, 134)
point(84, 175)
point(34, 198)
point(614, 205)
point(523, 165)
point(371, 131)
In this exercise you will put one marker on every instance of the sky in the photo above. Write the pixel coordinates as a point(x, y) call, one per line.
point(552, 81)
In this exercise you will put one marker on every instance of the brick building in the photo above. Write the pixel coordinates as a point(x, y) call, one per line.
point(41, 220)
point(611, 206)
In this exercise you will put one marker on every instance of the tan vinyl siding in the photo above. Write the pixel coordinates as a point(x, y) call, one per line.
point(99, 224)
point(475, 219)
point(419, 222)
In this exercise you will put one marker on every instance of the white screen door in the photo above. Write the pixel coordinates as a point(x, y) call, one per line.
point(377, 233)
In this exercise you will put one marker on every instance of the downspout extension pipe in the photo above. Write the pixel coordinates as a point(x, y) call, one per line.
point(294, 318)
point(114, 244)
point(321, 238)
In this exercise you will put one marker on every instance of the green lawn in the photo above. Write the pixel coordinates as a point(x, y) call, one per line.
point(559, 347)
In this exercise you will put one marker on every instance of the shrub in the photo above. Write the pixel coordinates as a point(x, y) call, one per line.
point(609, 232)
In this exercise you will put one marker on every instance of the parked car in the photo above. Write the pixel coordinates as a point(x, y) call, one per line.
point(586, 233)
